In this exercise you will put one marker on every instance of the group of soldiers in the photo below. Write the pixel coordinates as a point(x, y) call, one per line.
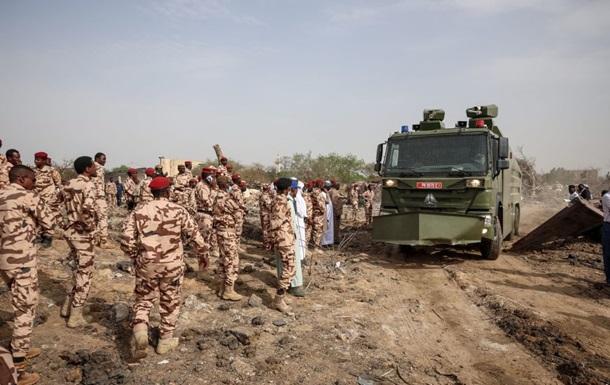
point(206, 212)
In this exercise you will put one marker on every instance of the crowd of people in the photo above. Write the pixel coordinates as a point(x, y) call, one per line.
point(164, 214)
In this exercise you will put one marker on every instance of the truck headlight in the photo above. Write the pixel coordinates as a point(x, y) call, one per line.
point(391, 183)
point(474, 183)
point(487, 220)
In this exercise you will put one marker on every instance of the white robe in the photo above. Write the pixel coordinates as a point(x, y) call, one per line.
point(328, 237)
point(301, 214)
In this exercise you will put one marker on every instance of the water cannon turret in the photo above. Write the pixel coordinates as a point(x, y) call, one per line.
point(433, 120)
point(482, 117)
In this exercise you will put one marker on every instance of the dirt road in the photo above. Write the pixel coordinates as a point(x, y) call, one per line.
point(372, 316)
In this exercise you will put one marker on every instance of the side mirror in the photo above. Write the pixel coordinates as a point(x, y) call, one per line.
point(503, 164)
point(503, 149)
point(379, 157)
point(377, 167)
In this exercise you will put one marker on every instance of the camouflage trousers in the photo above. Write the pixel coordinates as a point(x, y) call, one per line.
point(308, 228)
point(81, 249)
point(336, 226)
point(285, 256)
point(265, 227)
point(102, 217)
point(8, 373)
point(239, 228)
point(54, 204)
point(23, 283)
point(229, 258)
point(168, 290)
point(317, 227)
point(205, 222)
point(111, 201)
point(368, 212)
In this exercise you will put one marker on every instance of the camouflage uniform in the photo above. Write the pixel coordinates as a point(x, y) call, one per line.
point(222, 170)
point(131, 191)
point(226, 213)
point(181, 184)
point(21, 211)
point(204, 198)
point(79, 197)
point(368, 197)
point(353, 192)
point(264, 206)
point(309, 219)
point(8, 373)
point(145, 193)
point(318, 210)
point(238, 197)
point(48, 187)
point(100, 202)
point(283, 238)
point(111, 194)
point(4, 181)
point(152, 238)
point(338, 201)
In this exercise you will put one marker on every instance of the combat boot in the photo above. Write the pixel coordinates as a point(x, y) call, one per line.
point(205, 276)
point(220, 286)
point(105, 244)
point(23, 377)
point(65, 308)
point(76, 318)
point(278, 302)
point(33, 352)
point(297, 291)
point(166, 344)
point(230, 294)
point(140, 333)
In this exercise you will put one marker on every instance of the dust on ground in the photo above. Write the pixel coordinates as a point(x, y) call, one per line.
point(372, 315)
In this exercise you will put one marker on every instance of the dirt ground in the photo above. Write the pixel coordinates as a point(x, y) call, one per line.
point(372, 315)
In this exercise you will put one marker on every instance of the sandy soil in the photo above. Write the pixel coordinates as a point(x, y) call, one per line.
point(372, 315)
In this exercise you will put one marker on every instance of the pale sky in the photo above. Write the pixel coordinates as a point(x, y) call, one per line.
point(142, 79)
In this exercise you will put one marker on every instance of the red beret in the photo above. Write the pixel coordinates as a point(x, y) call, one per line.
point(192, 180)
point(159, 183)
point(199, 177)
point(229, 167)
point(149, 171)
point(207, 170)
point(235, 176)
point(41, 154)
point(188, 162)
point(242, 183)
point(218, 173)
point(132, 171)
point(223, 158)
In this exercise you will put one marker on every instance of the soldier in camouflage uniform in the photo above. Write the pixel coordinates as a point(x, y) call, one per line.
point(79, 197)
point(48, 185)
point(264, 207)
point(8, 372)
point(318, 212)
point(205, 195)
point(308, 219)
point(153, 239)
point(282, 240)
point(368, 196)
point(4, 181)
point(111, 191)
point(226, 213)
point(13, 158)
point(221, 169)
point(238, 196)
point(338, 201)
point(21, 212)
point(131, 191)
point(353, 195)
point(100, 201)
point(145, 193)
point(189, 168)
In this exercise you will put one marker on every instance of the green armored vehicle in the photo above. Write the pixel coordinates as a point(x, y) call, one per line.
point(449, 186)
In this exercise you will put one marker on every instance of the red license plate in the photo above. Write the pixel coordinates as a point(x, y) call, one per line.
point(430, 185)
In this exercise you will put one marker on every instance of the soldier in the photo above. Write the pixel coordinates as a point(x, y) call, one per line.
point(205, 195)
point(13, 158)
point(368, 196)
point(111, 192)
point(181, 182)
point(238, 196)
point(264, 207)
point(21, 211)
point(282, 240)
point(338, 202)
point(79, 197)
point(8, 373)
point(48, 184)
point(308, 217)
point(100, 201)
point(318, 212)
point(189, 168)
point(353, 194)
point(145, 193)
point(4, 180)
point(159, 171)
point(158, 258)
point(130, 189)
point(229, 169)
point(226, 214)
point(222, 167)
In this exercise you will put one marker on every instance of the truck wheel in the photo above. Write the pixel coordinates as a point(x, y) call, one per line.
point(490, 248)
point(517, 219)
point(407, 250)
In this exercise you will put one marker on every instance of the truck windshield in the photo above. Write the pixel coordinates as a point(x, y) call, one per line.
point(439, 155)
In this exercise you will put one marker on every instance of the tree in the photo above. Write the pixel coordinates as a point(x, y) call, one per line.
point(121, 169)
point(531, 180)
point(65, 169)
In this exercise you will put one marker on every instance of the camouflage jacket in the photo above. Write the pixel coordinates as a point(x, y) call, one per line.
point(181, 181)
point(368, 196)
point(222, 170)
point(281, 227)
point(226, 211)
point(238, 197)
point(318, 202)
point(111, 190)
point(21, 211)
point(145, 193)
point(48, 181)
point(98, 181)
point(130, 189)
point(152, 236)
point(4, 170)
point(264, 203)
point(338, 201)
point(204, 196)
point(79, 198)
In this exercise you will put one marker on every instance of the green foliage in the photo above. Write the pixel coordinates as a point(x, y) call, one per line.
point(343, 168)
point(121, 169)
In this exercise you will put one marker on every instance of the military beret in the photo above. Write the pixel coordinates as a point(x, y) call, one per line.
point(159, 183)
point(224, 179)
point(283, 183)
point(188, 162)
point(149, 171)
point(207, 170)
point(235, 176)
point(132, 171)
point(242, 183)
point(41, 154)
point(192, 180)
point(229, 167)
point(223, 158)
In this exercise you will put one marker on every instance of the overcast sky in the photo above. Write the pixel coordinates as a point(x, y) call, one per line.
point(142, 79)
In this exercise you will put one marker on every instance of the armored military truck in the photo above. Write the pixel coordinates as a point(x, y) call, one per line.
point(449, 186)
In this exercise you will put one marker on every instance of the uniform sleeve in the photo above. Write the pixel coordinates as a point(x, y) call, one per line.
point(90, 209)
point(191, 231)
point(56, 178)
point(129, 240)
point(42, 214)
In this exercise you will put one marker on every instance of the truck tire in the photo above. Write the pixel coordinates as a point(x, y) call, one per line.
point(490, 248)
